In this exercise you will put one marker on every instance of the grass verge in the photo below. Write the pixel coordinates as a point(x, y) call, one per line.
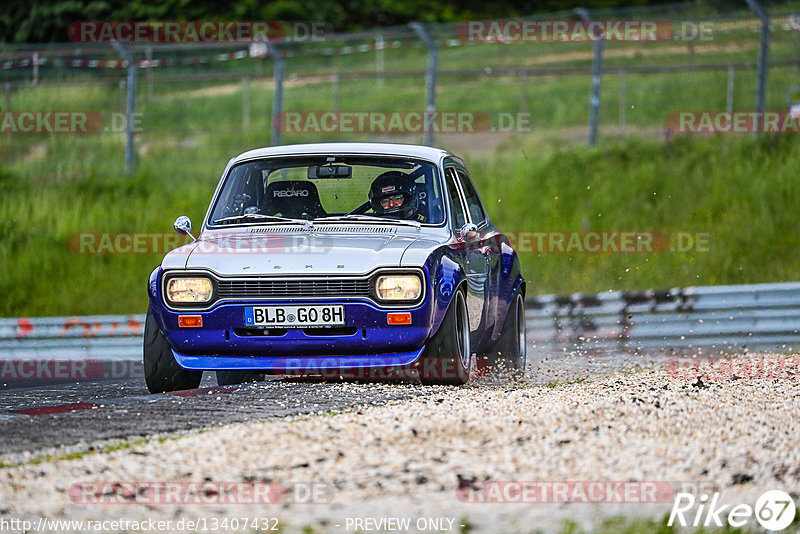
point(738, 193)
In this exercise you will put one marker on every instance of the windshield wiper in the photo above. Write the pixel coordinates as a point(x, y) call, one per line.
point(367, 218)
point(261, 217)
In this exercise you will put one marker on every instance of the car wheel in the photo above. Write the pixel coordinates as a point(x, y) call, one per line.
point(511, 349)
point(161, 372)
point(448, 357)
point(232, 378)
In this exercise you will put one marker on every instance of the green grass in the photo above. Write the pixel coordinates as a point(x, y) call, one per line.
point(565, 383)
point(741, 191)
point(62, 457)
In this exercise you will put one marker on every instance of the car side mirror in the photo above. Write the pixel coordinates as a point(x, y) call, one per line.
point(183, 225)
point(468, 232)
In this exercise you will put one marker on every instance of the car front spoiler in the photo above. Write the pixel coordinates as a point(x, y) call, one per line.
point(301, 364)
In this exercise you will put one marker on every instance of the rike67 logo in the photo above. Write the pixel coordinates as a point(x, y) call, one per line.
point(774, 510)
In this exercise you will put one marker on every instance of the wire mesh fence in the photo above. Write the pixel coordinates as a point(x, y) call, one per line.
point(494, 80)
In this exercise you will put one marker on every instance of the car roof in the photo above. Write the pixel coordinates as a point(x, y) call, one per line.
point(382, 149)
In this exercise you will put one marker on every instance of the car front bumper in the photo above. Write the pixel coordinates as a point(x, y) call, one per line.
point(223, 341)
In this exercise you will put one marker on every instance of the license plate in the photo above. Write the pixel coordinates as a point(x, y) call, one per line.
point(294, 316)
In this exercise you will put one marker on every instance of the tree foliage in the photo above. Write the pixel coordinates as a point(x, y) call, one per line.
point(46, 21)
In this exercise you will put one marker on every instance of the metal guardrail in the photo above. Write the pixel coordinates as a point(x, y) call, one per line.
point(762, 316)
point(101, 337)
point(724, 318)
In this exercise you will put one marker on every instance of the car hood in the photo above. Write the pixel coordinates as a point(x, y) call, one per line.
point(275, 251)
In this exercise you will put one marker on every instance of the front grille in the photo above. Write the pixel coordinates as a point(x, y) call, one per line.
point(266, 288)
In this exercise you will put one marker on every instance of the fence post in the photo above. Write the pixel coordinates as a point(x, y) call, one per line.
point(277, 95)
point(7, 103)
point(430, 81)
point(729, 96)
point(335, 91)
point(623, 101)
point(763, 66)
point(35, 62)
point(130, 107)
point(246, 103)
point(380, 68)
point(795, 24)
point(148, 55)
point(597, 76)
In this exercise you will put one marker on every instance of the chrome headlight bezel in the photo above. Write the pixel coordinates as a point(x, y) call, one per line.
point(400, 274)
point(177, 277)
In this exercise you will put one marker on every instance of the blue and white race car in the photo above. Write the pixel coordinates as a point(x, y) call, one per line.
point(337, 259)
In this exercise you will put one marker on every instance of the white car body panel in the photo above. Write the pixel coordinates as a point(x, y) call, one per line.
point(341, 248)
point(310, 252)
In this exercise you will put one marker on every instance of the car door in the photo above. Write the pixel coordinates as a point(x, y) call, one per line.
point(486, 245)
point(473, 258)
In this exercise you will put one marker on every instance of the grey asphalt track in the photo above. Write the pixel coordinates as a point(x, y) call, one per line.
point(57, 417)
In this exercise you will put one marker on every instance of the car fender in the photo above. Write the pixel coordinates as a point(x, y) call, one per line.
point(152, 287)
point(510, 283)
point(447, 278)
point(155, 297)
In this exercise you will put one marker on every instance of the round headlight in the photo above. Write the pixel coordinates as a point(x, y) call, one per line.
point(398, 287)
point(189, 290)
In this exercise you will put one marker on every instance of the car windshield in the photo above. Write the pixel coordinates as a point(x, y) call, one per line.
point(330, 188)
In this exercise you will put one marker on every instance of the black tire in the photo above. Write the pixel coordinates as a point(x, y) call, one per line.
point(232, 378)
point(510, 350)
point(161, 372)
point(447, 359)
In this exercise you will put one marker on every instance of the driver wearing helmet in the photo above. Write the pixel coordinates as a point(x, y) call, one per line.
point(394, 194)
